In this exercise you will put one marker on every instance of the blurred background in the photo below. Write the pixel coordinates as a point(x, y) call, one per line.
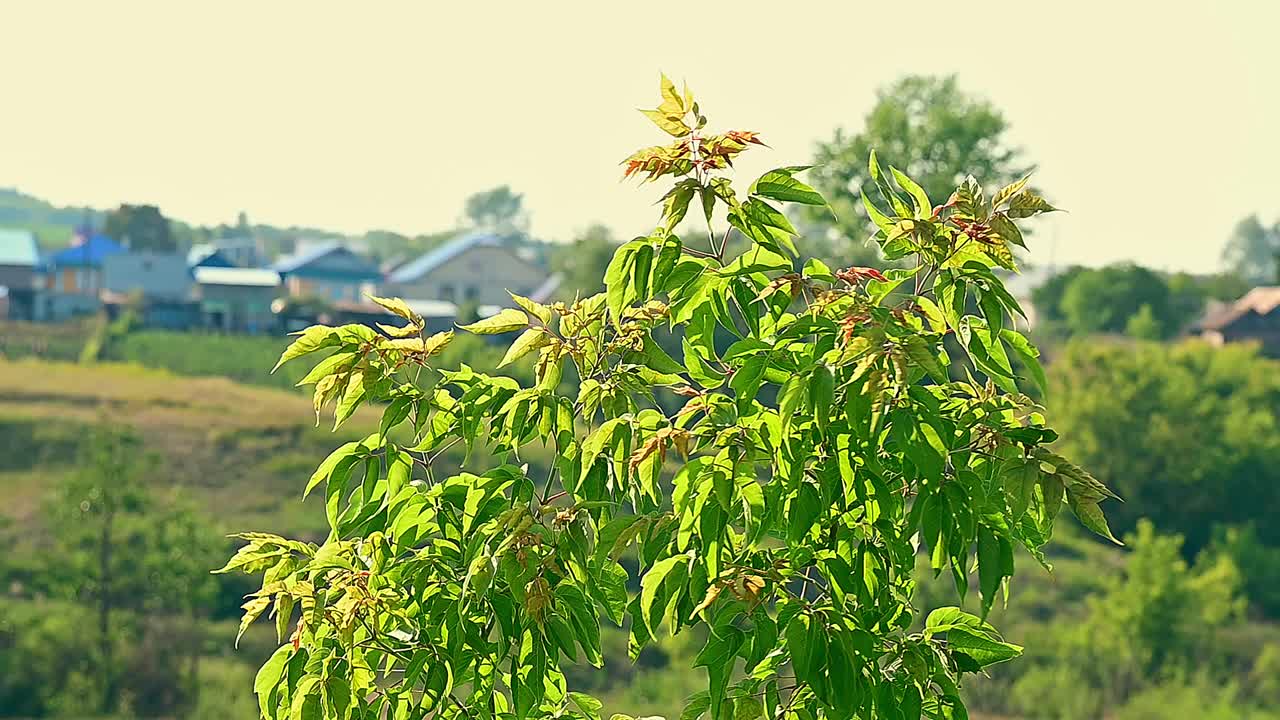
point(182, 184)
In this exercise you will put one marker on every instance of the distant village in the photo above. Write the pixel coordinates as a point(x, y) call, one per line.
point(228, 286)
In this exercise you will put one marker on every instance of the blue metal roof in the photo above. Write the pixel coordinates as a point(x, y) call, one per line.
point(18, 247)
point(90, 253)
point(432, 259)
point(298, 262)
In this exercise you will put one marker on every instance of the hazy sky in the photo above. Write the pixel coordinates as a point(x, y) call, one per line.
point(1156, 123)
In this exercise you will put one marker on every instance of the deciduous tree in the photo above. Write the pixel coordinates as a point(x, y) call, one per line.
point(779, 508)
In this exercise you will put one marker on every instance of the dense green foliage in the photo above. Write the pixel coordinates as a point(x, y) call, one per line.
point(778, 509)
point(1127, 299)
point(1182, 432)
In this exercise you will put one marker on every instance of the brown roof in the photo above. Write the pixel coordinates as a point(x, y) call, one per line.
point(1260, 300)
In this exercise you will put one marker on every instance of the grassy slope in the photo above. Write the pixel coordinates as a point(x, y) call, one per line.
point(216, 439)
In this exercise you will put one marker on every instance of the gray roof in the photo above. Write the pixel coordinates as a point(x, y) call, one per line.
point(244, 277)
point(299, 260)
point(432, 259)
point(289, 263)
point(18, 247)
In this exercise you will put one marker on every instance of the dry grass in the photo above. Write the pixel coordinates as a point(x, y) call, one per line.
point(146, 398)
point(242, 452)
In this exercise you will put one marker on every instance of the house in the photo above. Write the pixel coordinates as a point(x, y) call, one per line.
point(236, 299)
point(475, 268)
point(19, 260)
point(1254, 317)
point(78, 269)
point(154, 275)
point(207, 255)
point(329, 271)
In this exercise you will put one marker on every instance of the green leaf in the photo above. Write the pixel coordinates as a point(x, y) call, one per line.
point(696, 705)
point(396, 306)
point(269, 676)
point(822, 394)
point(656, 593)
point(1030, 356)
point(1009, 191)
point(352, 397)
point(529, 340)
point(923, 207)
point(344, 453)
point(538, 310)
point(309, 340)
point(588, 705)
point(946, 618)
point(981, 648)
point(253, 608)
point(612, 581)
point(765, 214)
point(780, 185)
point(1090, 515)
point(1026, 203)
point(672, 125)
point(803, 511)
point(617, 278)
point(508, 320)
point(746, 379)
point(675, 204)
point(990, 568)
point(335, 363)
point(657, 359)
point(896, 204)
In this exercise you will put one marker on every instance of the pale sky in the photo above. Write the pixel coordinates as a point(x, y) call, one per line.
point(1157, 124)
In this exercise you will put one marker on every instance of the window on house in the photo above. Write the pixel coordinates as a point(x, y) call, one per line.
point(472, 292)
point(446, 292)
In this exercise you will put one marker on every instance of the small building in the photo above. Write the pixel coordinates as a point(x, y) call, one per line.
point(237, 299)
point(154, 275)
point(78, 269)
point(475, 268)
point(329, 271)
point(19, 260)
point(1254, 317)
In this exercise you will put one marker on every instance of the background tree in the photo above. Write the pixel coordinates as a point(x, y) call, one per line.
point(498, 210)
point(138, 562)
point(1188, 434)
point(1253, 251)
point(929, 128)
point(583, 262)
point(1156, 622)
point(1103, 300)
point(143, 227)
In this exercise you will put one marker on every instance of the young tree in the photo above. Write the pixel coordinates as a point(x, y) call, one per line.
point(780, 507)
point(129, 557)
